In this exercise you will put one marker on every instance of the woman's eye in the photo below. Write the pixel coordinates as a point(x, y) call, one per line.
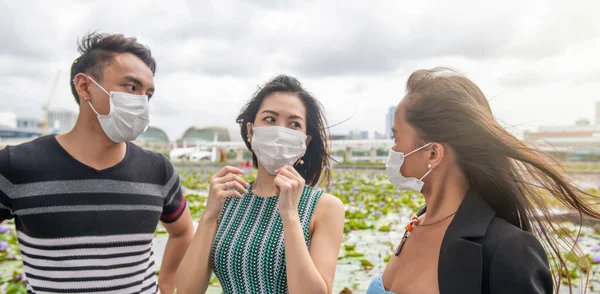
point(296, 125)
point(130, 88)
point(269, 119)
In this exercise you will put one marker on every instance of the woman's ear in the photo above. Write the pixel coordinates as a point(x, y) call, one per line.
point(250, 131)
point(308, 138)
point(436, 154)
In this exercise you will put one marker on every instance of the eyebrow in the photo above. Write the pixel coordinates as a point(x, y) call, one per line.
point(270, 112)
point(293, 116)
point(137, 82)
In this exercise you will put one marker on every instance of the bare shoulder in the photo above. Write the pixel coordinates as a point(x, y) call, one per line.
point(329, 201)
point(329, 207)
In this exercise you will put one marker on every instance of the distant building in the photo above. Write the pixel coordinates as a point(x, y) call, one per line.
point(358, 135)
point(8, 132)
point(154, 135)
point(206, 134)
point(389, 122)
point(575, 142)
point(61, 121)
point(13, 127)
point(28, 123)
point(581, 129)
point(338, 137)
point(379, 136)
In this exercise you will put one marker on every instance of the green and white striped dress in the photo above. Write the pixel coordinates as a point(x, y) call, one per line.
point(248, 253)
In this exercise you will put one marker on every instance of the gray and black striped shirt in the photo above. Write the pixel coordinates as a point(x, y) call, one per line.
point(84, 230)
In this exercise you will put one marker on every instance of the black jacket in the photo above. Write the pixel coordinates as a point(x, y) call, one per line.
point(482, 253)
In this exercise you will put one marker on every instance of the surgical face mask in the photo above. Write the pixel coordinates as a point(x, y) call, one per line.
point(128, 117)
point(392, 168)
point(276, 146)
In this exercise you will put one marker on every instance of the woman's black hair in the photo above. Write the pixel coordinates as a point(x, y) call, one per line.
point(317, 157)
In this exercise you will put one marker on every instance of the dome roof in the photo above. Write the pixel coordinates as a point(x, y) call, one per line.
point(154, 135)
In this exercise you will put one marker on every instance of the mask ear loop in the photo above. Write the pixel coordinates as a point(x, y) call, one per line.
point(97, 85)
point(88, 101)
point(429, 171)
point(424, 146)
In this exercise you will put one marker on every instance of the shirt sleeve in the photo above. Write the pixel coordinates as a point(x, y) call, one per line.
point(5, 186)
point(174, 201)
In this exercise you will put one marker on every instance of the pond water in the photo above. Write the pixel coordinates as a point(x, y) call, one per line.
point(375, 218)
point(371, 204)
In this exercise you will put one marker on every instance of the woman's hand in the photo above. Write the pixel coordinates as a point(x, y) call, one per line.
point(224, 184)
point(289, 185)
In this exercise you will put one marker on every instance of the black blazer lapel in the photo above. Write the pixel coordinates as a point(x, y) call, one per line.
point(461, 262)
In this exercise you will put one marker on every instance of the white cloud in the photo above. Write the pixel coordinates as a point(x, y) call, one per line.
point(536, 60)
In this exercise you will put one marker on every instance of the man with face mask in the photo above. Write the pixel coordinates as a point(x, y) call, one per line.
point(87, 203)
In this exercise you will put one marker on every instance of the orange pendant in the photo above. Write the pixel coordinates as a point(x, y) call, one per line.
point(415, 220)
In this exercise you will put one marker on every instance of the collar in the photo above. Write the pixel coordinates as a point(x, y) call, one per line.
point(460, 262)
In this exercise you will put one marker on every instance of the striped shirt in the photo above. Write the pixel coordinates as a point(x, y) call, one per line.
point(83, 230)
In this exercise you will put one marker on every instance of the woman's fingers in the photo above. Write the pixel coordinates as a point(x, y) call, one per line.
point(226, 170)
point(282, 183)
point(236, 186)
point(230, 193)
point(287, 175)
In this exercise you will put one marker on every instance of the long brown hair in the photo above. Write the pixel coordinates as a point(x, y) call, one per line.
point(444, 106)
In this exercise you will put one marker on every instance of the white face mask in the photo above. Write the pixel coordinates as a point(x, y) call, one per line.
point(392, 168)
point(276, 146)
point(128, 117)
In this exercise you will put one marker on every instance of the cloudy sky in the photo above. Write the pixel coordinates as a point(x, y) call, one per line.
point(537, 61)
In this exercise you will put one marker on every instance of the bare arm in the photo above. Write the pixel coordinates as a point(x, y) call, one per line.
point(180, 236)
point(312, 270)
point(194, 271)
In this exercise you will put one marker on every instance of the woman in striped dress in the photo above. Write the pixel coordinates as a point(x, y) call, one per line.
point(277, 234)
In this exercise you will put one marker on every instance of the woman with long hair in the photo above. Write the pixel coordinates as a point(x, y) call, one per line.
point(486, 216)
point(278, 234)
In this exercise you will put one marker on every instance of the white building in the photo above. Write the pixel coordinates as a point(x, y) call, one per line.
point(61, 121)
point(575, 141)
point(28, 123)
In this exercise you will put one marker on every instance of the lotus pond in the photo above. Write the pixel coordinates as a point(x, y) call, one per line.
point(375, 216)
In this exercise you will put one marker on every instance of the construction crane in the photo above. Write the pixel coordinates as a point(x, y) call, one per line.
point(46, 107)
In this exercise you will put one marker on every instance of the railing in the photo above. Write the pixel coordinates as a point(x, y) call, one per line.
point(335, 144)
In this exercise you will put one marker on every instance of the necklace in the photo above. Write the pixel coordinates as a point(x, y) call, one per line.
point(436, 222)
point(415, 222)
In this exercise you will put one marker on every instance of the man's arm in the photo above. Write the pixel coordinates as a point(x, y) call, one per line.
point(180, 236)
point(177, 219)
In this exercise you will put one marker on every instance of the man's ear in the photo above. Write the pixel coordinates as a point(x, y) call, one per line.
point(82, 87)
